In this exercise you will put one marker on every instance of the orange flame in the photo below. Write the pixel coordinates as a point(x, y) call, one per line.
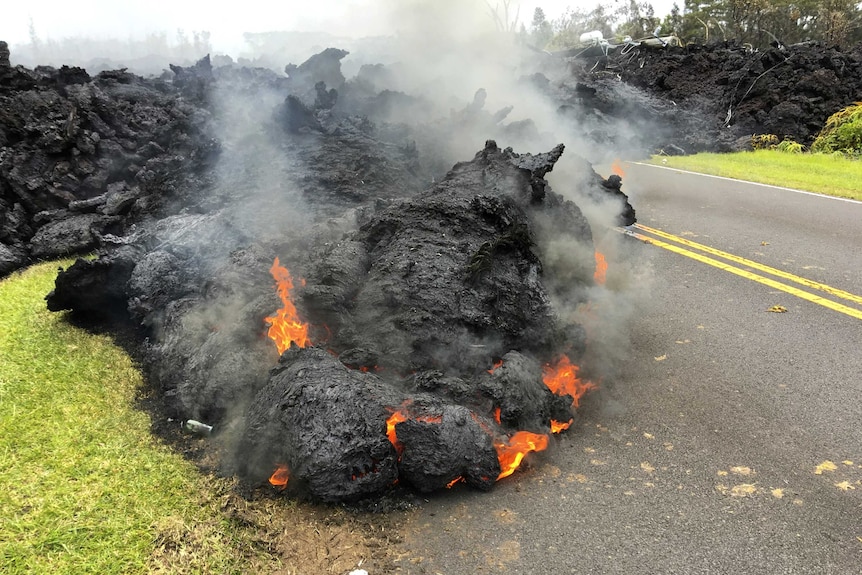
point(562, 379)
point(452, 483)
point(617, 168)
point(601, 268)
point(280, 476)
point(512, 452)
point(558, 426)
point(495, 366)
point(394, 419)
point(285, 326)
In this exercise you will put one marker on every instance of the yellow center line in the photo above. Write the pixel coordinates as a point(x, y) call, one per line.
point(852, 312)
point(748, 263)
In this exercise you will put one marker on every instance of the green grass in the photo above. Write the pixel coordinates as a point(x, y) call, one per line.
point(84, 486)
point(821, 173)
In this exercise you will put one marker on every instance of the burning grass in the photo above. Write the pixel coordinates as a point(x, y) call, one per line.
point(833, 175)
point(86, 488)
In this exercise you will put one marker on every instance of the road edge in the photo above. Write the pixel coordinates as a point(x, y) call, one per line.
point(806, 192)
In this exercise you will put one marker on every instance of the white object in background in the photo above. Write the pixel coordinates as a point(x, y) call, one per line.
point(593, 37)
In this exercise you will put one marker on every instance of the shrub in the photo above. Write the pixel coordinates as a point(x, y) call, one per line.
point(842, 132)
point(764, 141)
point(790, 147)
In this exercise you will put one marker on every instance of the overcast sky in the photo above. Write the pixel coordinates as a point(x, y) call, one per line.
point(226, 22)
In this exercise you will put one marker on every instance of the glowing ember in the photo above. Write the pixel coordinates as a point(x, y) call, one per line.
point(497, 415)
point(401, 414)
point(558, 426)
point(485, 427)
point(617, 168)
point(280, 476)
point(601, 268)
point(512, 452)
point(394, 419)
point(430, 418)
point(562, 379)
point(285, 326)
point(455, 481)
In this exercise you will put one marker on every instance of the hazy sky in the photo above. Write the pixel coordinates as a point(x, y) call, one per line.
point(226, 22)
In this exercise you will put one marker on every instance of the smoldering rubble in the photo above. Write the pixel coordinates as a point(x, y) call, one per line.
point(81, 156)
point(412, 290)
point(421, 269)
point(712, 98)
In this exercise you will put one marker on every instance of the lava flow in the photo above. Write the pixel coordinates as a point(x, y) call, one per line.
point(601, 268)
point(285, 326)
point(399, 415)
point(558, 426)
point(512, 452)
point(495, 366)
point(563, 379)
point(394, 419)
point(280, 476)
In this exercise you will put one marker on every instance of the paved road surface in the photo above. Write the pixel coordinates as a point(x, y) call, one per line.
point(702, 455)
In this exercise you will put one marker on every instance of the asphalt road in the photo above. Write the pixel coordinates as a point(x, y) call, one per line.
point(710, 450)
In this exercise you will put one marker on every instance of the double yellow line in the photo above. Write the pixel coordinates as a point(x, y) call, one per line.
point(808, 296)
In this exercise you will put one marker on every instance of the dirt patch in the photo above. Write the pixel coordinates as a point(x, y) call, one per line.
point(283, 537)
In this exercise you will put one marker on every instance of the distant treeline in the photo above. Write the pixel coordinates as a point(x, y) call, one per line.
point(759, 23)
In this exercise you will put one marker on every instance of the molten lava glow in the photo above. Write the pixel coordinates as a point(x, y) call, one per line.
point(394, 419)
point(497, 415)
point(617, 168)
point(430, 418)
point(284, 326)
point(558, 426)
point(401, 414)
point(512, 452)
point(495, 366)
point(455, 481)
point(280, 476)
point(601, 268)
point(562, 379)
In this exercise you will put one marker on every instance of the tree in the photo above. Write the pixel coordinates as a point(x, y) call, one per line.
point(758, 23)
point(201, 43)
point(503, 19)
point(569, 27)
point(638, 19)
point(35, 42)
point(541, 31)
point(703, 21)
point(836, 21)
point(673, 22)
point(538, 17)
point(764, 22)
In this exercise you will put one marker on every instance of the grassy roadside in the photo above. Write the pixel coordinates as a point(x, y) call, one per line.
point(820, 173)
point(85, 488)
